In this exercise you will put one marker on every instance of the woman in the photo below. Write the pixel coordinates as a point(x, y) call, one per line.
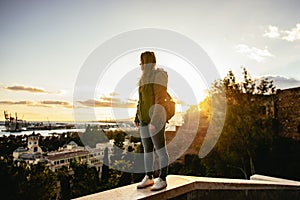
point(151, 118)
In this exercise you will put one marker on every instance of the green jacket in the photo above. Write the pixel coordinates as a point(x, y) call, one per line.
point(150, 95)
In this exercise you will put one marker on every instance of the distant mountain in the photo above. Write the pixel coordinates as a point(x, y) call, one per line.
point(282, 82)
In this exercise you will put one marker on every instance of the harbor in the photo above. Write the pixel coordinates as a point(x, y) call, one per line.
point(15, 124)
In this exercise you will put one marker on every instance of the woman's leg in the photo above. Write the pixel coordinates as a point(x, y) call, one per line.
point(148, 149)
point(159, 142)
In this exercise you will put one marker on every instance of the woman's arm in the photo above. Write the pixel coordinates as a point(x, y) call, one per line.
point(136, 119)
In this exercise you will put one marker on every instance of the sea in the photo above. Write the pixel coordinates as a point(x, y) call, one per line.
point(3, 131)
point(79, 127)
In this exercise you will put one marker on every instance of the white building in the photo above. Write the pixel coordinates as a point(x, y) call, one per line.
point(72, 152)
point(32, 154)
point(65, 155)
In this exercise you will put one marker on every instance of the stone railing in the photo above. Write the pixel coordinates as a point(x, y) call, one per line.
point(192, 188)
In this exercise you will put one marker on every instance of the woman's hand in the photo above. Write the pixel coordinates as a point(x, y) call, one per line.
point(152, 128)
point(137, 124)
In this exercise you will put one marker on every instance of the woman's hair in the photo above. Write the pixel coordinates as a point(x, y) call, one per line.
point(148, 57)
point(148, 64)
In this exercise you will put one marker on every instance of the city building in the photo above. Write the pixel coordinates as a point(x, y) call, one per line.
point(33, 154)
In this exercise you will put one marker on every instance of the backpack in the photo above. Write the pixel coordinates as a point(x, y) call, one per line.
point(169, 106)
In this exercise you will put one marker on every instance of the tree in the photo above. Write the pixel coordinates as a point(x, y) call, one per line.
point(12, 179)
point(246, 127)
point(105, 169)
point(22, 181)
point(42, 181)
point(191, 166)
point(119, 138)
point(85, 179)
point(119, 175)
point(191, 116)
point(10, 143)
point(64, 178)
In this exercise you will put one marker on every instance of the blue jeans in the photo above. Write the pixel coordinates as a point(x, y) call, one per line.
point(151, 142)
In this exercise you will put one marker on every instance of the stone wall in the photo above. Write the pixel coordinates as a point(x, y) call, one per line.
point(194, 188)
point(288, 112)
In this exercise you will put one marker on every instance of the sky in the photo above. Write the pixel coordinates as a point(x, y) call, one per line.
point(44, 45)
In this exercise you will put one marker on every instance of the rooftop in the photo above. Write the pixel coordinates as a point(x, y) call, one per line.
point(66, 154)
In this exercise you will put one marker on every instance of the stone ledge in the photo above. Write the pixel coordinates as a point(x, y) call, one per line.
point(274, 180)
point(189, 187)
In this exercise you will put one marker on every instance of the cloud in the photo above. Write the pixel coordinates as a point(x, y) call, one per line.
point(293, 34)
point(253, 53)
point(288, 35)
point(16, 103)
point(283, 82)
point(273, 32)
point(95, 103)
point(26, 89)
point(109, 102)
point(48, 103)
point(109, 99)
point(52, 103)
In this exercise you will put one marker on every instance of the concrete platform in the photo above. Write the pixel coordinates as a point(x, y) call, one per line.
point(190, 188)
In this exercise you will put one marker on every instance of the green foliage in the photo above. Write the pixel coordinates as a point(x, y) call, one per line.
point(245, 129)
point(191, 115)
point(192, 166)
point(118, 175)
point(105, 169)
point(85, 180)
point(135, 139)
point(118, 136)
point(10, 143)
point(64, 177)
point(20, 181)
point(52, 143)
point(122, 165)
point(42, 181)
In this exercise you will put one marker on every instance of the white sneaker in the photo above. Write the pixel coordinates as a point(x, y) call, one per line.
point(159, 184)
point(145, 182)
